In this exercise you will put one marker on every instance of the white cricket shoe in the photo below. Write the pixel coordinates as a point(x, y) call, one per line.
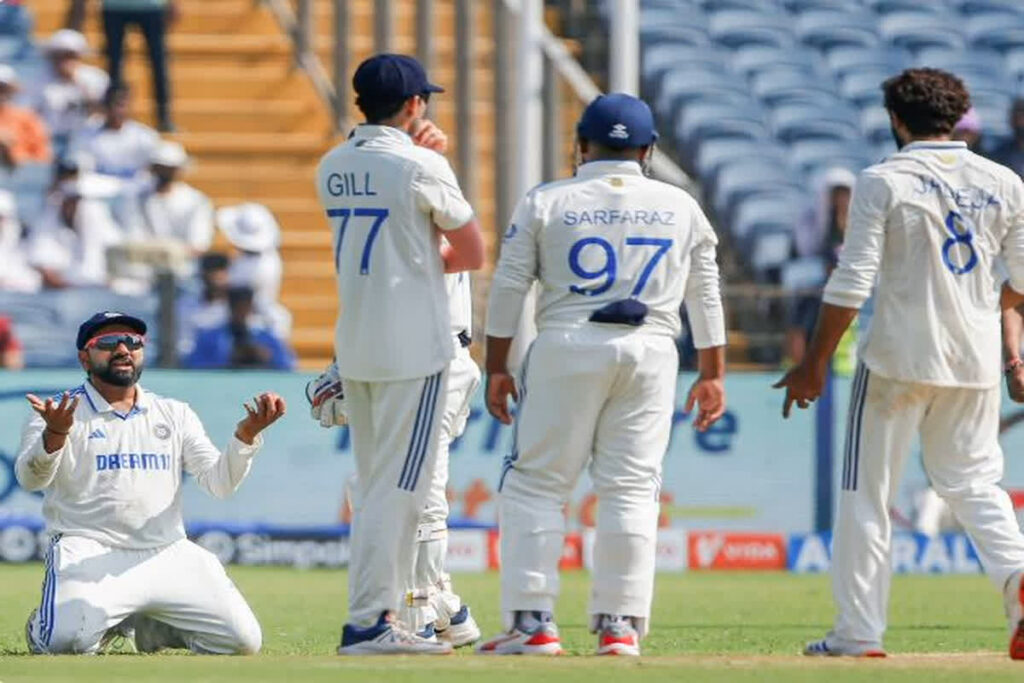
point(1013, 600)
point(461, 630)
point(617, 637)
point(388, 637)
point(543, 640)
point(824, 648)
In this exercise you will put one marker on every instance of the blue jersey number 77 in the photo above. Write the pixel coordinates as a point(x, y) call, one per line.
point(379, 216)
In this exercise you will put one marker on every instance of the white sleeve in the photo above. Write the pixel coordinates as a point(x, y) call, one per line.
point(1013, 239)
point(703, 294)
point(437, 191)
point(851, 282)
point(516, 270)
point(200, 224)
point(34, 467)
point(219, 474)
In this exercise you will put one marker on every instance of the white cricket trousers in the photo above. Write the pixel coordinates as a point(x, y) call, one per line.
point(959, 430)
point(89, 587)
point(395, 429)
point(428, 580)
point(591, 397)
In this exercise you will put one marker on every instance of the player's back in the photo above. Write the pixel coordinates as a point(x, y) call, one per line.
point(393, 322)
point(946, 213)
point(612, 234)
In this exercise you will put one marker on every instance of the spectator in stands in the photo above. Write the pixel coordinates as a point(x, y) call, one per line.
point(171, 209)
point(1011, 152)
point(70, 91)
point(23, 135)
point(240, 343)
point(821, 236)
point(118, 146)
point(68, 246)
point(208, 307)
point(16, 275)
point(254, 231)
point(968, 129)
point(11, 357)
point(153, 17)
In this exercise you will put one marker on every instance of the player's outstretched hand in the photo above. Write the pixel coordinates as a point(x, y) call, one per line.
point(500, 385)
point(709, 397)
point(59, 417)
point(803, 384)
point(425, 133)
point(266, 409)
point(1015, 383)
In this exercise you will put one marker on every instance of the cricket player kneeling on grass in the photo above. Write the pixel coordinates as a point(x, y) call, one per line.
point(615, 254)
point(109, 458)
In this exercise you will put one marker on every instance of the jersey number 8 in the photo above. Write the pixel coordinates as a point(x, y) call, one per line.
point(962, 235)
point(609, 270)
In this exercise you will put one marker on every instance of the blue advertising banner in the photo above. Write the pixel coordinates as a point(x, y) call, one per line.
point(751, 471)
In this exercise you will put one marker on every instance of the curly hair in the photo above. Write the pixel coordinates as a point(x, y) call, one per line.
point(927, 101)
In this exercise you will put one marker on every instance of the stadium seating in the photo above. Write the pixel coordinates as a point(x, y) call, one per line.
point(48, 321)
point(794, 87)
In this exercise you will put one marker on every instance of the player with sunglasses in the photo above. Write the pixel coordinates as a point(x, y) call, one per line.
point(109, 458)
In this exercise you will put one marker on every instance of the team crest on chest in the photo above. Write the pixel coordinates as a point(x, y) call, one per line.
point(162, 431)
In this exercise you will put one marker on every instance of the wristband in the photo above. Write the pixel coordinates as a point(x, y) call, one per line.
point(54, 431)
point(1012, 365)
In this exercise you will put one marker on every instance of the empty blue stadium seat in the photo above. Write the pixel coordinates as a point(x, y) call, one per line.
point(864, 88)
point(713, 155)
point(919, 30)
point(767, 6)
point(798, 122)
point(801, 6)
point(700, 122)
point(810, 155)
point(660, 58)
point(782, 208)
point(747, 178)
point(846, 60)
point(1001, 31)
point(680, 86)
point(753, 59)
point(1013, 63)
point(875, 124)
point(780, 87)
point(886, 7)
point(735, 29)
point(986, 6)
point(827, 30)
point(681, 16)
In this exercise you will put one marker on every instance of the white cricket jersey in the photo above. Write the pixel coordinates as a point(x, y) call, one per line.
point(123, 153)
point(928, 223)
point(609, 234)
point(183, 213)
point(64, 105)
point(117, 478)
point(383, 196)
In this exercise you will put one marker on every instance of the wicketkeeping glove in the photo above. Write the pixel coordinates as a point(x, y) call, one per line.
point(326, 398)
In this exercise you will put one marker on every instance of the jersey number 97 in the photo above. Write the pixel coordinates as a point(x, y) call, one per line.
point(608, 272)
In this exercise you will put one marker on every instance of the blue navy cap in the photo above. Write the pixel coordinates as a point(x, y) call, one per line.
point(390, 77)
point(618, 121)
point(87, 330)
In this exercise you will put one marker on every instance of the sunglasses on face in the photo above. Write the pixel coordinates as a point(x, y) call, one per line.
point(109, 342)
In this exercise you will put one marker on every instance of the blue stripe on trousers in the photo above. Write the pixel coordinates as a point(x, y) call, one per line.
point(856, 443)
point(850, 410)
point(856, 411)
point(50, 593)
point(415, 434)
point(427, 431)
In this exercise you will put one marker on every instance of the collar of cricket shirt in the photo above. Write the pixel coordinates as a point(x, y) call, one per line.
point(100, 405)
point(604, 167)
point(934, 144)
point(367, 131)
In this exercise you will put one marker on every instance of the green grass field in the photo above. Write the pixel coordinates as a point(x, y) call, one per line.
point(706, 627)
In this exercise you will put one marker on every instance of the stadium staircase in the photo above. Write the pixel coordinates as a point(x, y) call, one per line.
point(255, 126)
